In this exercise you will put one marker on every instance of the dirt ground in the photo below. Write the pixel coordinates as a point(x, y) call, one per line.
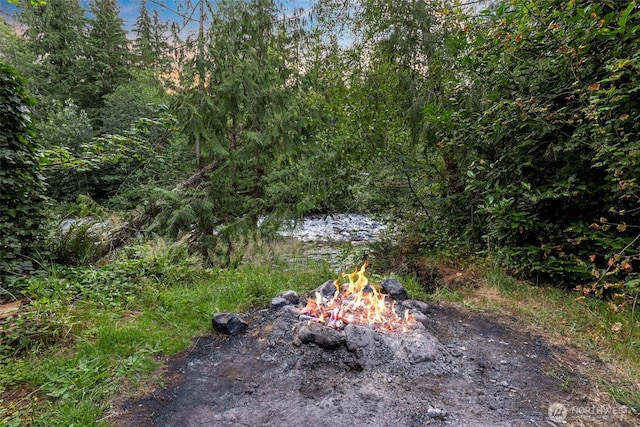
point(487, 370)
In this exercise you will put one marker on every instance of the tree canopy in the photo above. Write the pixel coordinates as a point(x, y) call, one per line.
point(510, 131)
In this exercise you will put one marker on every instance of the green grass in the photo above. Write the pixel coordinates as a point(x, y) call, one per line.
point(103, 328)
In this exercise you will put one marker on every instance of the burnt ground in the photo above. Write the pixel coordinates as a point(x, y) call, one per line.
point(474, 369)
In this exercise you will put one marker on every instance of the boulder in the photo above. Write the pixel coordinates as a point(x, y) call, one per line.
point(358, 336)
point(322, 336)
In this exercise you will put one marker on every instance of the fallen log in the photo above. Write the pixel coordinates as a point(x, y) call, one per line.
point(135, 226)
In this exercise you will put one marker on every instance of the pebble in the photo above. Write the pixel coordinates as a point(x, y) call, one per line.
point(440, 414)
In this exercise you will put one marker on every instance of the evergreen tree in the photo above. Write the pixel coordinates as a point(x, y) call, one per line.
point(246, 114)
point(108, 59)
point(56, 35)
point(142, 45)
point(150, 46)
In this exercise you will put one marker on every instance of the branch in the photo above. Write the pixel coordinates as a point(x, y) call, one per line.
point(197, 178)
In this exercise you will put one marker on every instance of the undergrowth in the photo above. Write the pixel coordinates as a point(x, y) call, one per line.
point(82, 333)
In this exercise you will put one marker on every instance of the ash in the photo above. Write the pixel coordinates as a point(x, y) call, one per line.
point(457, 368)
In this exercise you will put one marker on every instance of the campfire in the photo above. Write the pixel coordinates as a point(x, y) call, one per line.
point(356, 301)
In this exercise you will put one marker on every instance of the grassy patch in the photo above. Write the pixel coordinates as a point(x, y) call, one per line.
point(88, 331)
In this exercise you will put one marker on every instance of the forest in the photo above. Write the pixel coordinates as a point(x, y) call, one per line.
point(146, 160)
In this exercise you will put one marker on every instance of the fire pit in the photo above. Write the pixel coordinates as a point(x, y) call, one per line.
point(355, 302)
point(304, 363)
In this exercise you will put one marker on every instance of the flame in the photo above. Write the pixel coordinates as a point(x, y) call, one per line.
point(356, 302)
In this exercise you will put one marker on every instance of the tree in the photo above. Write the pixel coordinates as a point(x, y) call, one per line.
point(245, 113)
point(21, 183)
point(107, 64)
point(393, 74)
point(56, 35)
point(550, 152)
point(150, 46)
point(13, 50)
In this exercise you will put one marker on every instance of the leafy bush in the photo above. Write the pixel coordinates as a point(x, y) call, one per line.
point(551, 145)
point(21, 184)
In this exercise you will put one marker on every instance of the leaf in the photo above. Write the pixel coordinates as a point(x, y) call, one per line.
point(624, 16)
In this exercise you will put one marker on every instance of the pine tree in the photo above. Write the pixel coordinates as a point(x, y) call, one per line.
point(142, 45)
point(150, 46)
point(246, 114)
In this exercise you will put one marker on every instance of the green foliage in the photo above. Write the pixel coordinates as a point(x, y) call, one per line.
point(242, 112)
point(106, 65)
point(90, 331)
point(79, 242)
point(55, 34)
point(150, 47)
point(103, 164)
point(551, 144)
point(131, 101)
point(21, 183)
point(65, 126)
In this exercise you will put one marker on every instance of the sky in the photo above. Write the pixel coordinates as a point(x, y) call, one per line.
point(167, 8)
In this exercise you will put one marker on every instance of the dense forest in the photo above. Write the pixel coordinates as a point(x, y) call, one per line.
point(506, 130)
point(510, 130)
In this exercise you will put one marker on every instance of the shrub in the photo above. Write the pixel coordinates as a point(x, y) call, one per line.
point(21, 184)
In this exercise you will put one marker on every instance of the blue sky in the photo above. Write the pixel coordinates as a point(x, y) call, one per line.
point(166, 8)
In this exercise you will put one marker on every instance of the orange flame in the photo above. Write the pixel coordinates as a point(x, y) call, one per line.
point(356, 302)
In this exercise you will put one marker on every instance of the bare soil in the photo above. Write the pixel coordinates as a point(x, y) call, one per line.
point(487, 370)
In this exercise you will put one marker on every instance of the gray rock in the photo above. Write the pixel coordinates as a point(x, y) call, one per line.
point(436, 413)
point(416, 305)
point(421, 318)
point(327, 290)
point(277, 303)
point(289, 311)
point(229, 324)
point(394, 289)
point(323, 336)
point(291, 296)
point(421, 348)
point(358, 336)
